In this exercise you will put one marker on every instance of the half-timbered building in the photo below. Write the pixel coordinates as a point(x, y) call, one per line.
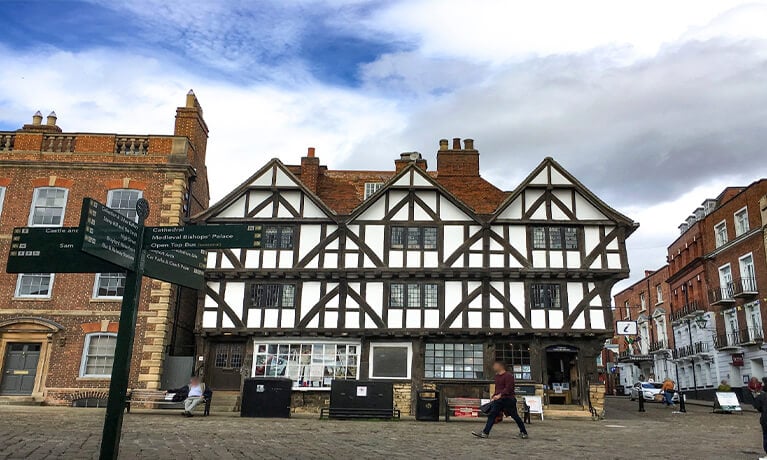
point(422, 277)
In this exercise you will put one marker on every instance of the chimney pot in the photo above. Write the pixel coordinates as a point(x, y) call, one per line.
point(468, 144)
point(443, 144)
point(51, 120)
point(456, 143)
point(190, 99)
point(37, 118)
point(310, 152)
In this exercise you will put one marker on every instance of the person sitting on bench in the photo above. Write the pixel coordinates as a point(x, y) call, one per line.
point(192, 394)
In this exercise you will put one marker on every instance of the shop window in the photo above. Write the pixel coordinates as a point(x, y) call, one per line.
point(273, 295)
point(109, 285)
point(545, 296)
point(413, 295)
point(517, 359)
point(454, 361)
point(277, 237)
point(98, 355)
point(311, 365)
point(34, 285)
point(48, 205)
point(390, 360)
point(555, 238)
point(414, 238)
point(124, 202)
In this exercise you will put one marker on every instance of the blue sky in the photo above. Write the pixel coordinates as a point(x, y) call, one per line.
point(655, 105)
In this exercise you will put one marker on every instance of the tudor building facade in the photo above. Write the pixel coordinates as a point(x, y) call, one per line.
point(416, 276)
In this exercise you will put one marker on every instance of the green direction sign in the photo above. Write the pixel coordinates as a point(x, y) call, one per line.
point(164, 265)
point(52, 250)
point(108, 235)
point(189, 257)
point(203, 237)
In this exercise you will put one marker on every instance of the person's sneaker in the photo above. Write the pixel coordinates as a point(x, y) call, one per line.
point(480, 434)
point(522, 436)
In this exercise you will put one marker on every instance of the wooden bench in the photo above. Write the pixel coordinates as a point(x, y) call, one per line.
point(348, 413)
point(156, 398)
point(462, 408)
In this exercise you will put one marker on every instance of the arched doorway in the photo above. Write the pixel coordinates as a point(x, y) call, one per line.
point(25, 347)
point(562, 375)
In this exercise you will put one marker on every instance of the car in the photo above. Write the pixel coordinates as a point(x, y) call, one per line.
point(649, 390)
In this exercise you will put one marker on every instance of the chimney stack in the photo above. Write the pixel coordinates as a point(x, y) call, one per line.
point(457, 161)
point(37, 119)
point(37, 125)
point(51, 120)
point(190, 124)
point(310, 170)
point(406, 158)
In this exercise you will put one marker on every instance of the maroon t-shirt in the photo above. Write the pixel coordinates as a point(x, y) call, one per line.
point(504, 385)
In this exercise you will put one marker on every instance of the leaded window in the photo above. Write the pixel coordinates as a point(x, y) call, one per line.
point(413, 295)
point(517, 359)
point(277, 237)
point(545, 296)
point(454, 361)
point(555, 238)
point(273, 295)
point(414, 238)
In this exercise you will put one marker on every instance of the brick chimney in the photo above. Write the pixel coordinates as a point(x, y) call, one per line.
point(190, 124)
point(457, 161)
point(406, 158)
point(310, 170)
point(37, 125)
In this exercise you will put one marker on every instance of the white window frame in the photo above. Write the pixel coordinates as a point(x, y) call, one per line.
point(743, 266)
point(721, 241)
point(305, 341)
point(659, 293)
point(110, 193)
point(371, 188)
point(730, 315)
point(752, 309)
point(738, 230)
point(83, 358)
point(96, 295)
point(722, 284)
point(660, 329)
point(374, 345)
point(642, 301)
point(627, 312)
point(32, 207)
point(18, 295)
point(2, 199)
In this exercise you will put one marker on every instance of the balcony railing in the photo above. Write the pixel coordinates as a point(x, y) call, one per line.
point(6, 142)
point(751, 335)
point(744, 287)
point(691, 350)
point(691, 309)
point(660, 345)
point(728, 340)
point(722, 295)
point(58, 143)
point(132, 146)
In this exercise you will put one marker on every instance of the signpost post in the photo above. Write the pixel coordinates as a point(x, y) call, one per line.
point(107, 242)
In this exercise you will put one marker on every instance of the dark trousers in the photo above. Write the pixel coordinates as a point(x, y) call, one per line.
point(764, 437)
point(507, 405)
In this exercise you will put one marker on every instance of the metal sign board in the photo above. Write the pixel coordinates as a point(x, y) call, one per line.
point(203, 237)
point(626, 328)
point(52, 250)
point(190, 257)
point(163, 266)
point(108, 235)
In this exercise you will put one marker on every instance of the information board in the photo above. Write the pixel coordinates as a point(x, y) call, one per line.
point(726, 402)
point(626, 328)
point(162, 265)
point(203, 237)
point(52, 250)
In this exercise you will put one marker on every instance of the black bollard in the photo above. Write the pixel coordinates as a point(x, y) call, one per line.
point(681, 403)
point(641, 401)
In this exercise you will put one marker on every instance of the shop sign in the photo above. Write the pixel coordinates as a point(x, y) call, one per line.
point(737, 359)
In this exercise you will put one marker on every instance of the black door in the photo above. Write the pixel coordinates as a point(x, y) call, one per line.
point(20, 368)
point(227, 366)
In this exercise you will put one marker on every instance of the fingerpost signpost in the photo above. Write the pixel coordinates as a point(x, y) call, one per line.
point(106, 242)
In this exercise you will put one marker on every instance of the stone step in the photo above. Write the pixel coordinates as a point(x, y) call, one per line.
point(19, 401)
point(554, 414)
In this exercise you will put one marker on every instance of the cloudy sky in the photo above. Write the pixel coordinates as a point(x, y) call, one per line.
point(655, 105)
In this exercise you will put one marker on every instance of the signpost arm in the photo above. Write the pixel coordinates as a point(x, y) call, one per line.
point(118, 386)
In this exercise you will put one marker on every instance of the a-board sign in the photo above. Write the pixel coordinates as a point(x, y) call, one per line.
point(52, 250)
point(535, 404)
point(108, 235)
point(203, 237)
point(726, 402)
point(626, 328)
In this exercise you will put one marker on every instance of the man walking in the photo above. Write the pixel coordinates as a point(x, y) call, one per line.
point(503, 401)
point(760, 404)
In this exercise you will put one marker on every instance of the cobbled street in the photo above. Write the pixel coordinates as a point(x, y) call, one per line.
point(68, 433)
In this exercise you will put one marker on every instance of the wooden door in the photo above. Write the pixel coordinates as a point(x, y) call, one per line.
point(20, 368)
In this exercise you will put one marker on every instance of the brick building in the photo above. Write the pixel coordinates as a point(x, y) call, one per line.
point(647, 303)
point(714, 301)
point(57, 331)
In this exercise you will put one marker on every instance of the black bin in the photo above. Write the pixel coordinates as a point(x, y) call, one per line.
point(427, 406)
point(266, 397)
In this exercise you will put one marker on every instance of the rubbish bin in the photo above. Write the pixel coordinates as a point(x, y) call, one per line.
point(427, 405)
point(266, 397)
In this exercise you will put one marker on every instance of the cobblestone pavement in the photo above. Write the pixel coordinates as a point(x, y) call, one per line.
point(50, 432)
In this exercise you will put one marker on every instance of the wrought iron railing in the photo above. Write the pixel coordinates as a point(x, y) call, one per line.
point(690, 309)
point(743, 287)
point(658, 346)
point(691, 350)
point(722, 294)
